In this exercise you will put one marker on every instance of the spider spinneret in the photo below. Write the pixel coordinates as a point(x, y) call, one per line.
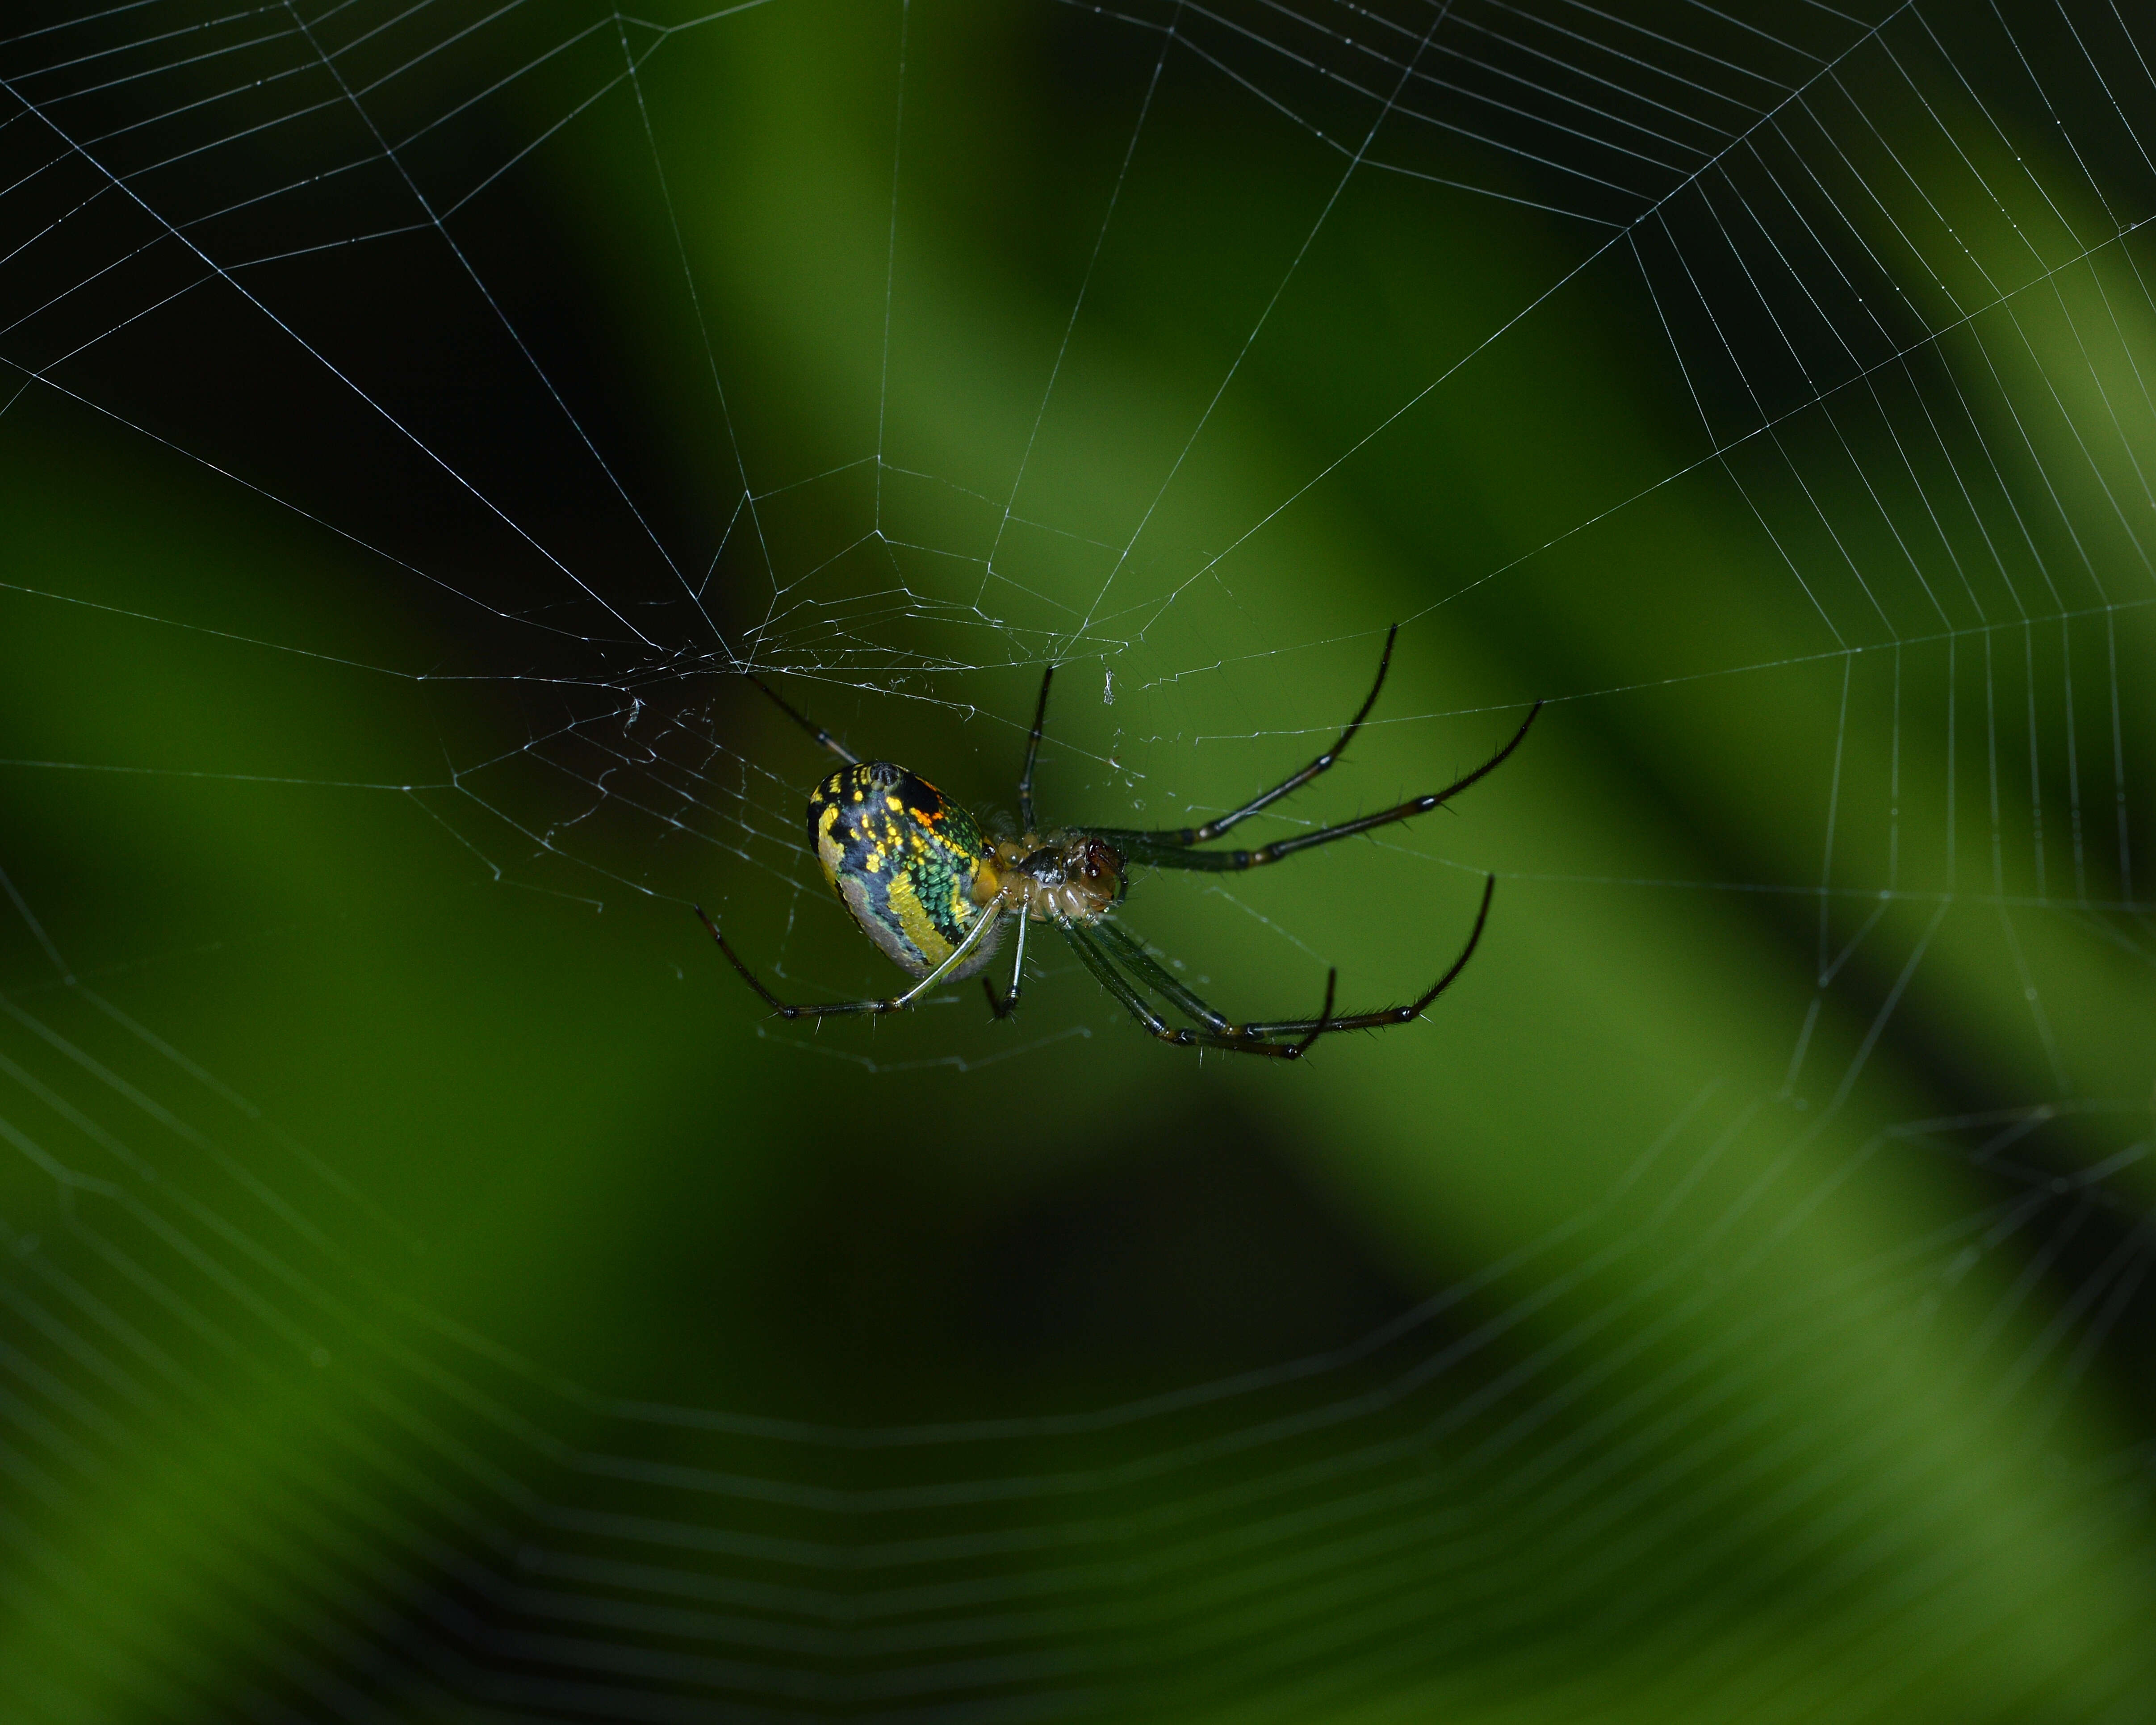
point(917, 875)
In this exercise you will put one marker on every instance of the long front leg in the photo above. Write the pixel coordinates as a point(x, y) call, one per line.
point(1237, 1041)
point(1165, 852)
point(1177, 837)
point(1164, 981)
point(1390, 1014)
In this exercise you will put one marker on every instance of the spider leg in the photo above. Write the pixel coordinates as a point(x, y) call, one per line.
point(1176, 837)
point(1032, 753)
point(1130, 950)
point(1312, 1028)
point(1103, 967)
point(1004, 1007)
point(1165, 852)
point(822, 737)
point(838, 1009)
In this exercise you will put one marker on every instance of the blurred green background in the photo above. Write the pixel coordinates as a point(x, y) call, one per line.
point(435, 1292)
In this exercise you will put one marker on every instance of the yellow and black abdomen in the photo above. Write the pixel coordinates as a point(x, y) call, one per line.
point(907, 861)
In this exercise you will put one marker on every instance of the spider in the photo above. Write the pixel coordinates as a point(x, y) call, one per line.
point(926, 886)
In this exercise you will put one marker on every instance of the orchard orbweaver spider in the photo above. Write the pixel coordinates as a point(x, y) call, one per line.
point(923, 883)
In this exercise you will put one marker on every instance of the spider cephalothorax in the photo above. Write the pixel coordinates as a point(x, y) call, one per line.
point(1066, 877)
point(915, 871)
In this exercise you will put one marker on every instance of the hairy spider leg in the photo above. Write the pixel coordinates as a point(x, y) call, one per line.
point(1390, 1014)
point(1166, 849)
point(822, 737)
point(1032, 753)
point(1295, 782)
point(1103, 967)
point(835, 1009)
point(1004, 1009)
point(1131, 952)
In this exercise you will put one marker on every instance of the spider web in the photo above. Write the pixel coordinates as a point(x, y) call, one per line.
point(451, 401)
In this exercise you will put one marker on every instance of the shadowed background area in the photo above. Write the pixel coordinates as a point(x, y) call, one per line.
point(435, 1289)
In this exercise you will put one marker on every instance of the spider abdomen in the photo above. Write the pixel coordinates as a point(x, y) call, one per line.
point(907, 861)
